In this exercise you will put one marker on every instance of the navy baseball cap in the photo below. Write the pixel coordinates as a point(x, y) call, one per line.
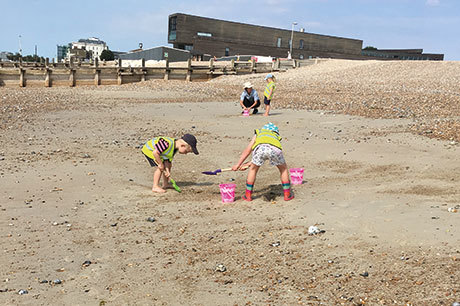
point(191, 140)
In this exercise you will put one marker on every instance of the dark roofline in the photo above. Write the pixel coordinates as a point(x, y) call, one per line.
point(159, 47)
point(255, 25)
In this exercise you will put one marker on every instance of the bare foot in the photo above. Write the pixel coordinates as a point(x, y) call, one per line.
point(168, 186)
point(158, 190)
point(265, 115)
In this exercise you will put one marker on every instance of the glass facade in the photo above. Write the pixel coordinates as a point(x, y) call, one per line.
point(62, 52)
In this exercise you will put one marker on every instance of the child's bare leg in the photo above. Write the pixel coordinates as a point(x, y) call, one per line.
point(267, 110)
point(285, 181)
point(166, 183)
point(250, 182)
point(156, 181)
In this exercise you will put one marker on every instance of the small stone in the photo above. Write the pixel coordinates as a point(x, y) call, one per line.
point(86, 263)
point(314, 230)
point(57, 282)
point(221, 268)
point(364, 274)
point(151, 219)
point(22, 291)
point(275, 244)
point(43, 281)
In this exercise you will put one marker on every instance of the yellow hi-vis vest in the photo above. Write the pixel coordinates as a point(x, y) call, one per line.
point(149, 148)
point(268, 137)
point(267, 90)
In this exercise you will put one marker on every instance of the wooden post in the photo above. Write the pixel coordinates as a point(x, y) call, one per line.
point(253, 65)
point(97, 77)
point(72, 77)
point(188, 78)
point(144, 72)
point(293, 63)
point(278, 64)
point(232, 68)
point(22, 77)
point(47, 77)
point(211, 64)
point(120, 77)
point(96, 62)
point(166, 70)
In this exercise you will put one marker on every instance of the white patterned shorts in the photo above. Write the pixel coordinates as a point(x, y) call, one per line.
point(265, 151)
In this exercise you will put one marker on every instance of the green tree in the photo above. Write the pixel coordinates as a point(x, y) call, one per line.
point(107, 55)
point(26, 58)
point(370, 48)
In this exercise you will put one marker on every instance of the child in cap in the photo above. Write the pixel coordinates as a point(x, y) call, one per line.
point(268, 93)
point(160, 151)
point(265, 145)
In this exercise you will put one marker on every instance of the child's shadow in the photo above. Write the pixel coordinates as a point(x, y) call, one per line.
point(270, 193)
point(195, 184)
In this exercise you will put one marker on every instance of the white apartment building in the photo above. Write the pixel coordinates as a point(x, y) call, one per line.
point(92, 44)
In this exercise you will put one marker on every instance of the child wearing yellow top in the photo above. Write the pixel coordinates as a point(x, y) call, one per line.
point(160, 152)
point(265, 145)
point(268, 93)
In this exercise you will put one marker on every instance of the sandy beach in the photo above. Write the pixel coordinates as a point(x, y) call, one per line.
point(379, 145)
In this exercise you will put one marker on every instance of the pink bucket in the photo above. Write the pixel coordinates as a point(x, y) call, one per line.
point(246, 112)
point(227, 191)
point(296, 176)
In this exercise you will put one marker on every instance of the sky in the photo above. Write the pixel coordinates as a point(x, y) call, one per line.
point(433, 25)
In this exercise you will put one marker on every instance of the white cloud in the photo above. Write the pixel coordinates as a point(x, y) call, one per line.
point(433, 2)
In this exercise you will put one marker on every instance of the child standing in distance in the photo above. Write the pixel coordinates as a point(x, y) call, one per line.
point(265, 145)
point(160, 151)
point(269, 91)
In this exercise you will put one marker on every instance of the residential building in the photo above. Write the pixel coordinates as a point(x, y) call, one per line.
point(4, 56)
point(93, 45)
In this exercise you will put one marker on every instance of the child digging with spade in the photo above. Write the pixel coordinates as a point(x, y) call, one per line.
point(265, 145)
point(160, 151)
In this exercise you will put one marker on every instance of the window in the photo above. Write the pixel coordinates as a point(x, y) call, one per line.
point(301, 44)
point(227, 51)
point(188, 47)
point(173, 23)
point(172, 28)
point(278, 42)
point(204, 34)
point(301, 56)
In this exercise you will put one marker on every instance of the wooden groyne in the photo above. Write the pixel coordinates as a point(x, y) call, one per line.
point(97, 73)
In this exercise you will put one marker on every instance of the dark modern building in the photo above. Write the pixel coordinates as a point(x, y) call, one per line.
point(201, 35)
point(158, 54)
point(402, 54)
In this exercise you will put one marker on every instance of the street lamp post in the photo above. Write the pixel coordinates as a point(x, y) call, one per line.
point(292, 37)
